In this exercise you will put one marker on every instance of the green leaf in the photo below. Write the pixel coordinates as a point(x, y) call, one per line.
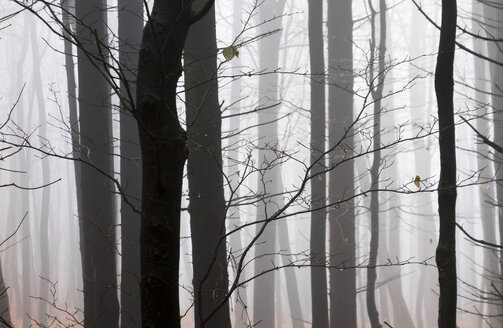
point(230, 52)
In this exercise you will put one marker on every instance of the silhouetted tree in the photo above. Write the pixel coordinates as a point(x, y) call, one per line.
point(130, 14)
point(204, 172)
point(164, 151)
point(341, 179)
point(318, 186)
point(101, 305)
point(444, 89)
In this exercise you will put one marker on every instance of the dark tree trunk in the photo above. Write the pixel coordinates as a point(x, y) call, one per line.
point(101, 307)
point(164, 151)
point(67, 13)
point(204, 172)
point(444, 89)
point(318, 184)
point(341, 217)
point(377, 93)
point(130, 32)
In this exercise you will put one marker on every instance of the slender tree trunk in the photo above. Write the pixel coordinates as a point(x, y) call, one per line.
point(204, 172)
point(426, 301)
point(233, 167)
point(269, 182)
point(392, 226)
point(444, 88)
point(46, 192)
point(318, 184)
point(497, 102)
point(101, 307)
point(488, 213)
point(290, 279)
point(130, 32)
point(377, 93)
point(341, 216)
point(401, 313)
point(67, 7)
point(493, 15)
point(24, 301)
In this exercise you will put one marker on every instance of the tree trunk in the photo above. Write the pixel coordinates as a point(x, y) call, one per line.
point(290, 279)
point(233, 213)
point(204, 172)
point(164, 151)
point(269, 181)
point(101, 307)
point(493, 15)
point(46, 192)
point(377, 93)
point(444, 89)
point(130, 32)
point(67, 13)
point(488, 212)
point(426, 302)
point(341, 216)
point(318, 184)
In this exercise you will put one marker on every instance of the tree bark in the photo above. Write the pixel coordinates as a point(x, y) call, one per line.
point(318, 184)
point(444, 89)
point(341, 183)
point(101, 307)
point(164, 151)
point(204, 173)
point(377, 93)
point(130, 32)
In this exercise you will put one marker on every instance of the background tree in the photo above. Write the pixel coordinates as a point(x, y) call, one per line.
point(341, 179)
point(130, 19)
point(205, 172)
point(318, 186)
point(101, 305)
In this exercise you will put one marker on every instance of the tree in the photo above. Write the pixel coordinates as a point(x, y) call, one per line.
point(377, 87)
point(205, 173)
point(444, 89)
point(101, 305)
point(164, 151)
point(341, 179)
point(130, 32)
point(269, 179)
point(318, 185)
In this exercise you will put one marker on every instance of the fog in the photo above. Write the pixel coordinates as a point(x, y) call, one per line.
point(307, 141)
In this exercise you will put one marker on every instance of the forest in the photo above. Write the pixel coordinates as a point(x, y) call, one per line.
point(251, 163)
